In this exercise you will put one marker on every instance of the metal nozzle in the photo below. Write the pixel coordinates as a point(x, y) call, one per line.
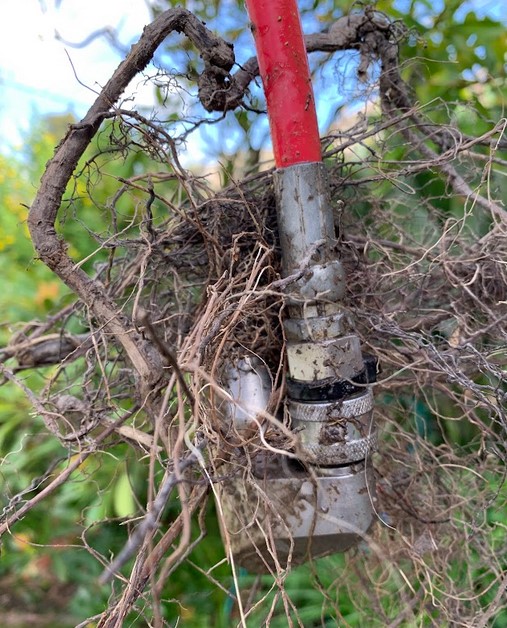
point(280, 511)
point(286, 512)
point(293, 515)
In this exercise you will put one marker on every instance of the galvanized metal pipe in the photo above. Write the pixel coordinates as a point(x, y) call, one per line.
point(328, 509)
point(305, 218)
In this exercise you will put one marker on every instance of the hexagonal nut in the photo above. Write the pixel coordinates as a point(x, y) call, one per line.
point(316, 328)
point(340, 358)
point(319, 282)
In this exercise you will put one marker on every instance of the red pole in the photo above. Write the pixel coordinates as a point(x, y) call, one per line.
point(285, 74)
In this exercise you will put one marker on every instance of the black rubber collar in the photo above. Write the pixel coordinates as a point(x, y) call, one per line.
point(333, 389)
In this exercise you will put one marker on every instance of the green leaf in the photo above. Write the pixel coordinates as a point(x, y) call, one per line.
point(123, 500)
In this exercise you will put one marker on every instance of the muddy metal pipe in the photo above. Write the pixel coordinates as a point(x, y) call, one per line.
point(325, 360)
point(283, 65)
point(329, 403)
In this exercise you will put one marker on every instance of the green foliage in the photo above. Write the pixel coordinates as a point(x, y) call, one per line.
point(25, 284)
point(454, 53)
point(46, 551)
point(455, 59)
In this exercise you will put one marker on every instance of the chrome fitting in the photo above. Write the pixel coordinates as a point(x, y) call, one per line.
point(316, 328)
point(249, 383)
point(338, 358)
point(336, 432)
point(314, 310)
point(288, 509)
point(320, 282)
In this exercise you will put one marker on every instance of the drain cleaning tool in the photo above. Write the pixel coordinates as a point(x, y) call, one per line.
point(293, 512)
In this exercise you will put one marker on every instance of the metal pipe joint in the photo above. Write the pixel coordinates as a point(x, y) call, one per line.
point(281, 507)
point(318, 499)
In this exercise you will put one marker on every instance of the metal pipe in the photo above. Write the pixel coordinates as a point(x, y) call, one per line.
point(322, 503)
point(285, 74)
point(305, 219)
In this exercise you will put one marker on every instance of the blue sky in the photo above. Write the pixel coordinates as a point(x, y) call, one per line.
point(36, 74)
point(40, 75)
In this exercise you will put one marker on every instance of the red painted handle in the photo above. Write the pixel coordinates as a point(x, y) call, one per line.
point(285, 74)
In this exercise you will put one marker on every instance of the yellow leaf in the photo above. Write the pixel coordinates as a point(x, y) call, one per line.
point(23, 542)
point(47, 291)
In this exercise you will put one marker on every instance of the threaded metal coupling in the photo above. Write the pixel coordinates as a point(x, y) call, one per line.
point(336, 432)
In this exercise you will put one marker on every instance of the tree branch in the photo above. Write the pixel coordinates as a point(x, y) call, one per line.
point(42, 217)
point(150, 522)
